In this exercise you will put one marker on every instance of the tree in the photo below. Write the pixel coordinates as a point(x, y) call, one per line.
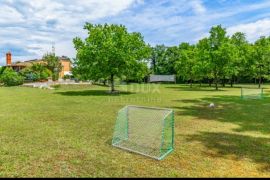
point(163, 59)
point(53, 64)
point(226, 61)
point(172, 56)
point(267, 59)
point(204, 60)
point(138, 73)
point(239, 64)
point(109, 51)
point(261, 53)
point(217, 58)
point(158, 58)
point(218, 52)
point(186, 65)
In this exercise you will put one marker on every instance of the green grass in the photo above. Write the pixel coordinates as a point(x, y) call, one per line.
point(67, 132)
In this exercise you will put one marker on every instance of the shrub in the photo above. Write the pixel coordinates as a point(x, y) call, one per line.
point(67, 77)
point(2, 69)
point(45, 74)
point(55, 76)
point(11, 78)
point(28, 74)
point(37, 72)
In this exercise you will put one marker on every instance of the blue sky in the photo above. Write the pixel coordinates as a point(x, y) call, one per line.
point(29, 27)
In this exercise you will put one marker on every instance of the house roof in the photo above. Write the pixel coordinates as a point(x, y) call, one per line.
point(26, 63)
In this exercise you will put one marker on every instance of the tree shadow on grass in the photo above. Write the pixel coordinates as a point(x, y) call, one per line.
point(237, 146)
point(92, 93)
point(250, 114)
point(195, 88)
point(187, 101)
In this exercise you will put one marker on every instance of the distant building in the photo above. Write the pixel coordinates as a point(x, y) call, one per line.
point(19, 65)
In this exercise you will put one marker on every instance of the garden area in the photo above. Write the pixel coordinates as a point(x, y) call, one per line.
point(67, 132)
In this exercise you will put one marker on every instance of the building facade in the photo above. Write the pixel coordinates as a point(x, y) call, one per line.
point(18, 66)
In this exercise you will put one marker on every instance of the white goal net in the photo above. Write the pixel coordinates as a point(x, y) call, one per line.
point(251, 93)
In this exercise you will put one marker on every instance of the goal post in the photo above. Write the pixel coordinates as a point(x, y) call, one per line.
point(162, 78)
point(251, 93)
point(147, 131)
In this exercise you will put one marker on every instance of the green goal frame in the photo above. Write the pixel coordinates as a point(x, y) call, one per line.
point(252, 93)
point(148, 131)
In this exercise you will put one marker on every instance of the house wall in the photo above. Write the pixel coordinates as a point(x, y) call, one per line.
point(66, 68)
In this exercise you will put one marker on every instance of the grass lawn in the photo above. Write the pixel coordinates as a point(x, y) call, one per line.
point(68, 132)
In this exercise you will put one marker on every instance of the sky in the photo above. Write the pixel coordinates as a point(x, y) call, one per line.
point(29, 28)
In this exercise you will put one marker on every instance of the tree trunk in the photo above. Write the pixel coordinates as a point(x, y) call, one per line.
point(216, 82)
point(154, 65)
point(216, 77)
point(232, 80)
point(260, 77)
point(112, 83)
point(223, 81)
point(191, 80)
point(210, 82)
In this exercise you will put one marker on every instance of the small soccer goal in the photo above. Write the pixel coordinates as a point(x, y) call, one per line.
point(251, 93)
point(145, 130)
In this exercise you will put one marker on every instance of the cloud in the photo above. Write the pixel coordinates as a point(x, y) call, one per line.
point(28, 28)
point(164, 22)
point(252, 30)
point(198, 7)
point(171, 22)
point(9, 14)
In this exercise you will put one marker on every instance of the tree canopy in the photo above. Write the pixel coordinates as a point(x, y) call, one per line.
point(110, 51)
point(217, 59)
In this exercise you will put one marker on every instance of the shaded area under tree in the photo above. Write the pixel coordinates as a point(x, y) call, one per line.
point(239, 146)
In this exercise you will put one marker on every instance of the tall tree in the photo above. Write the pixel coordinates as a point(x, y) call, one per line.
point(226, 58)
point(186, 65)
point(261, 54)
point(109, 51)
point(218, 52)
point(158, 59)
point(204, 60)
point(172, 56)
point(239, 62)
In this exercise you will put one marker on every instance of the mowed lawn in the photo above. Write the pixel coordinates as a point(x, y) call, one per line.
point(67, 132)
